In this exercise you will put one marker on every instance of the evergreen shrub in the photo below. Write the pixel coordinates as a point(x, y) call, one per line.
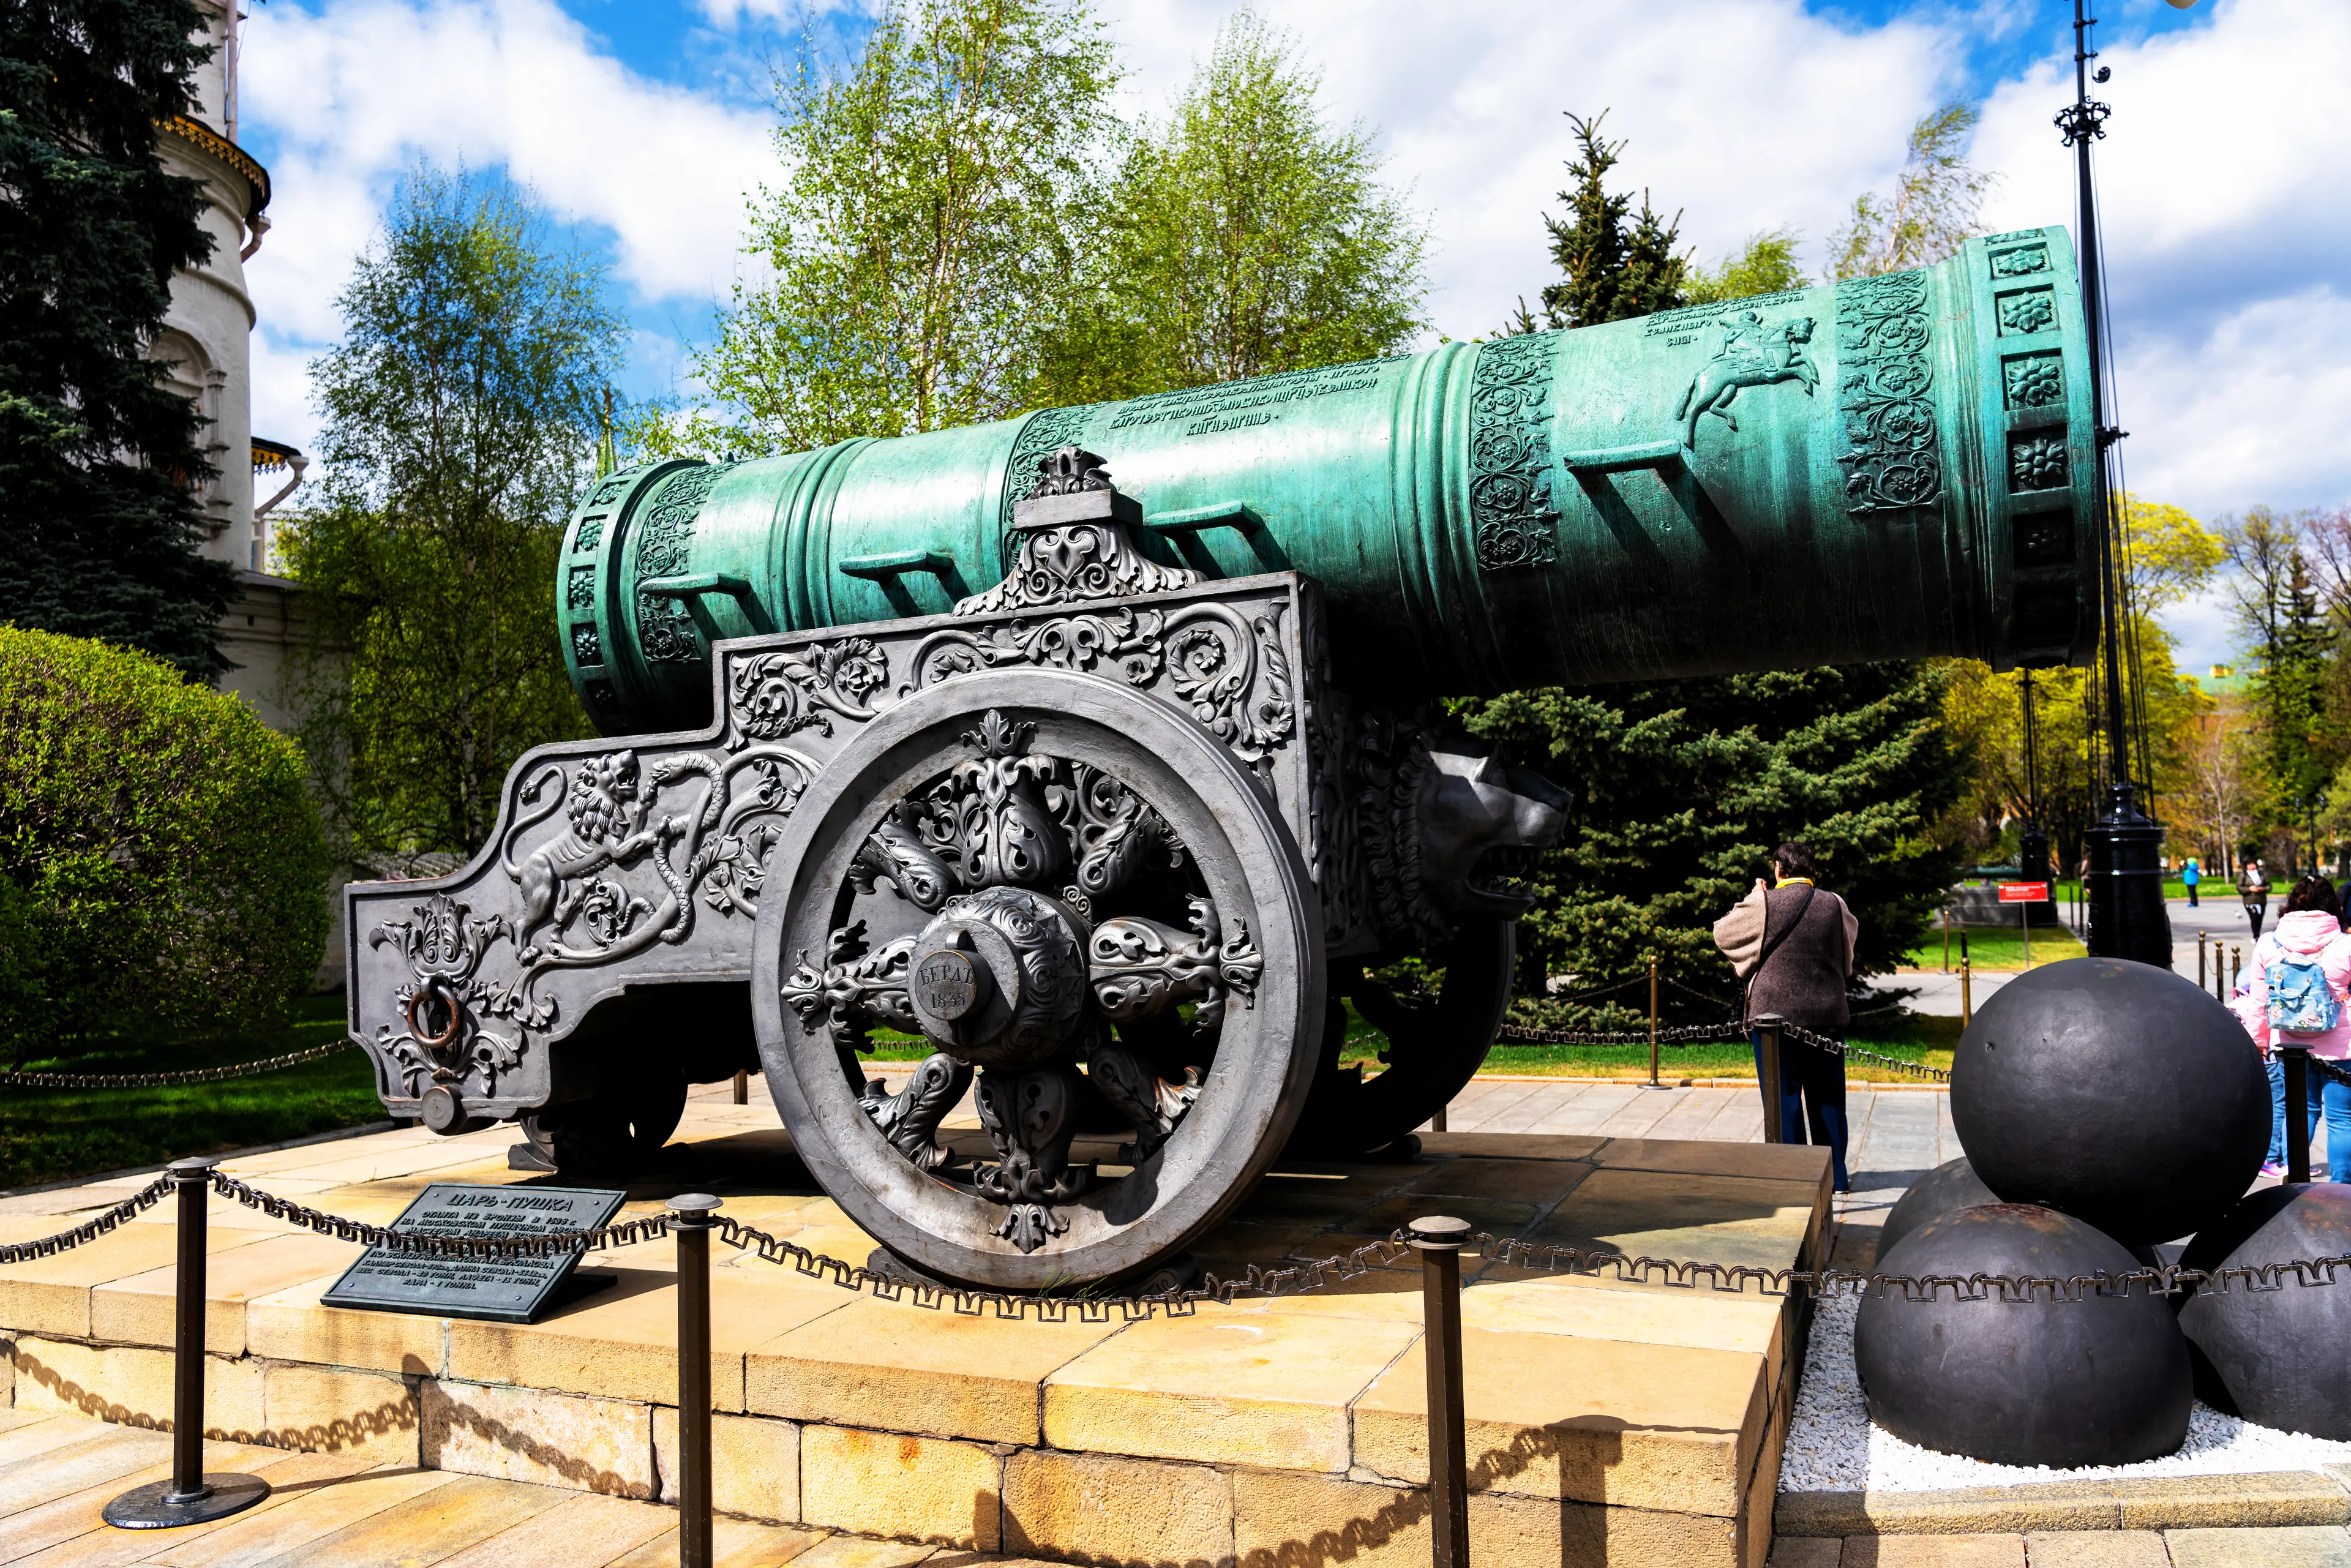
point(161, 867)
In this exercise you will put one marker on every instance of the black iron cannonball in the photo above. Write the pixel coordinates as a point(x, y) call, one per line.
point(2099, 1381)
point(1952, 1186)
point(2116, 1091)
point(2277, 1357)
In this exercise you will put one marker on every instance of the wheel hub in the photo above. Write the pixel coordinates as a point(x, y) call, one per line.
point(999, 977)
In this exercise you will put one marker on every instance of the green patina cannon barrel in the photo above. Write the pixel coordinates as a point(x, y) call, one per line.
point(1892, 466)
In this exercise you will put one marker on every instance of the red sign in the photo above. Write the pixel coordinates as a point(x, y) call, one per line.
point(2024, 893)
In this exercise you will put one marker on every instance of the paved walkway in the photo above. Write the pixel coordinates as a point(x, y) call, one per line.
point(336, 1511)
point(2292, 1546)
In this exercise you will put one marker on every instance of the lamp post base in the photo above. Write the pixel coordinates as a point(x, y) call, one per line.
point(155, 1507)
point(2128, 919)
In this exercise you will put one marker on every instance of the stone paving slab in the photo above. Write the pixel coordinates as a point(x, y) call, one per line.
point(2171, 1502)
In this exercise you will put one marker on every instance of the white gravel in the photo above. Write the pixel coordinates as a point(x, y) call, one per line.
point(1834, 1447)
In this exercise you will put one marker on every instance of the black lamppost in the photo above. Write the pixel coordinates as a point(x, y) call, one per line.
point(2032, 844)
point(2127, 918)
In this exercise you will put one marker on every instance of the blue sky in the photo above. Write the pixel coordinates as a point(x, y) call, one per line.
point(2227, 176)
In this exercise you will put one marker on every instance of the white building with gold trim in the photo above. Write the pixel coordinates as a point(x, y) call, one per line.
point(207, 338)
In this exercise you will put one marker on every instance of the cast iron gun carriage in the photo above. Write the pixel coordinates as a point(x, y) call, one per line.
point(1091, 747)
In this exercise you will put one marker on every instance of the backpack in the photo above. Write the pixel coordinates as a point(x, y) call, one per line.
point(2301, 1002)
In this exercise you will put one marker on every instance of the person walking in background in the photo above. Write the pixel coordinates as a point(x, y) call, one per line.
point(1791, 942)
point(2253, 887)
point(2297, 991)
point(2188, 877)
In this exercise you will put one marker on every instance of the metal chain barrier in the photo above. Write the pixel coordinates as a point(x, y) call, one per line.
point(88, 1231)
point(2169, 1279)
point(1674, 1034)
point(1259, 1281)
point(560, 1244)
point(1289, 1279)
point(1697, 1034)
point(154, 1080)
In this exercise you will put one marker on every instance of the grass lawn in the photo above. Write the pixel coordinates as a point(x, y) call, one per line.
point(48, 1135)
point(1997, 947)
point(1914, 1038)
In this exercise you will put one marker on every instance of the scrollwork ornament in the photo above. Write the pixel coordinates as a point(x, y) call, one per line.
point(1893, 459)
point(1140, 968)
point(1124, 641)
point(1026, 1117)
point(440, 1037)
point(1009, 832)
point(854, 988)
point(1150, 1104)
point(664, 549)
point(910, 1119)
point(898, 853)
point(1512, 520)
point(771, 695)
point(1235, 676)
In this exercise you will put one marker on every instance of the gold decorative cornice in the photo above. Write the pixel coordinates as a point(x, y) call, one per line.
point(205, 139)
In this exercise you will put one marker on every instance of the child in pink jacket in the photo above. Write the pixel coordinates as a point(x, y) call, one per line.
point(2311, 931)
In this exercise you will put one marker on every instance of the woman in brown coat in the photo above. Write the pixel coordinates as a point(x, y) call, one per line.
point(1791, 942)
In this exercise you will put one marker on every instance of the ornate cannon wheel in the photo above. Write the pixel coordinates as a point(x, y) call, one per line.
point(1082, 895)
point(1434, 1045)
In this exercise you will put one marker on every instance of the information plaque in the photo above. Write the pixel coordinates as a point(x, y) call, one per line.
point(502, 1289)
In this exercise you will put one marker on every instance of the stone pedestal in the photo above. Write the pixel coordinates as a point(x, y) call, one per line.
point(1608, 1423)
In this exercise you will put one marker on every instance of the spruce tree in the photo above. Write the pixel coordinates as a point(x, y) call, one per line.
point(1612, 266)
point(98, 455)
point(1681, 789)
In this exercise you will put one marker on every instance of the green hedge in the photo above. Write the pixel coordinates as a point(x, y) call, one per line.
point(161, 864)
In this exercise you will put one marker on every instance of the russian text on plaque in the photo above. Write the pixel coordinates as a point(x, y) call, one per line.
point(502, 1289)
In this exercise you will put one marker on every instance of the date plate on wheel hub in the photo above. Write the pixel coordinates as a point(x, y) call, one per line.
point(946, 985)
point(999, 977)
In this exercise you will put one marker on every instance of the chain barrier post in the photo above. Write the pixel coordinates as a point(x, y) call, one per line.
point(2236, 966)
point(1769, 1030)
point(189, 1497)
point(1947, 939)
point(2199, 960)
point(1653, 1021)
point(690, 1225)
point(742, 1087)
point(1967, 987)
point(1438, 1239)
point(2296, 1062)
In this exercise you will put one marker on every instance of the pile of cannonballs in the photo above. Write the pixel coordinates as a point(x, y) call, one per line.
point(2104, 1106)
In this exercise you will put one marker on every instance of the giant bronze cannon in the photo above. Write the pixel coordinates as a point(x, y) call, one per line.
point(1096, 747)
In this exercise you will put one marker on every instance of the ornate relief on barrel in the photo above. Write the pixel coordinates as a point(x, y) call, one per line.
point(1045, 433)
point(664, 549)
point(1893, 455)
point(1512, 519)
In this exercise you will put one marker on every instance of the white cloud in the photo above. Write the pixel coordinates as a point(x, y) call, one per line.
point(348, 95)
point(2224, 188)
point(1747, 114)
